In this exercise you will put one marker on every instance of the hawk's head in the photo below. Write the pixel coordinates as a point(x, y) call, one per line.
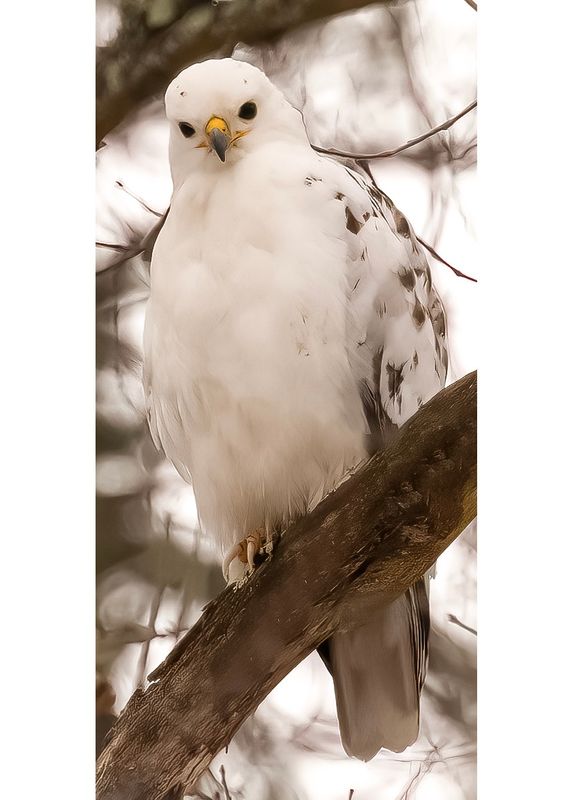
point(220, 110)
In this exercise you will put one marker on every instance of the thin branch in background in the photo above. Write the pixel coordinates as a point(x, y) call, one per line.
point(120, 248)
point(227, 795)
point(411, 143)
point(421, 241)
point(129, 302)
point(141, 671)
point(436, 255)
point(141, 202)
point(456, 621)
point(472, 4)
point(139, 244)
point(351, 794)
point(439, 205)
point(214, 788)
point(415, 780)
point(125, 252)
point(200, 796)
point(405, 51)
point(460, 208)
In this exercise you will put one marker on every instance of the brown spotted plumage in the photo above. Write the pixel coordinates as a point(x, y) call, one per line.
point(397, 322)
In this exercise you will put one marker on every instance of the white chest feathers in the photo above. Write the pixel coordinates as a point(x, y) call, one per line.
point(253, 396)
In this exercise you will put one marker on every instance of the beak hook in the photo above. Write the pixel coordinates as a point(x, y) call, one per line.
point(218, 135)
point(219, 142)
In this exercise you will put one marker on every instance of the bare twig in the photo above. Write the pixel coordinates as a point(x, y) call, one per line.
point(436, 255)
point(415, 780)
point(421, 241)
point(142, 244)
point(472, 4)
point(224, 785)
point(121, 248)
point(136, 197)
point(456, 621)
point(411, 143)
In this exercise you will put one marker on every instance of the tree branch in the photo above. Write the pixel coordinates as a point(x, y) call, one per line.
point(411, 143)
point(149, 51)
point(436, 255)
point(381, 530)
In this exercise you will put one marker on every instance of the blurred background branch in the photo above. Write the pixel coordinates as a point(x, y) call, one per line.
point(158, 38)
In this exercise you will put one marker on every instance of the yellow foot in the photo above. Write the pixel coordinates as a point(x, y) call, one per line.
point(245, 551)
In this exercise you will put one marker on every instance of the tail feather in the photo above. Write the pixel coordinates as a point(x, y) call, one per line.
point(379, 669)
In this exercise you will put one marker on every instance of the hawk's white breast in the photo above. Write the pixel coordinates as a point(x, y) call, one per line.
point(253, 395)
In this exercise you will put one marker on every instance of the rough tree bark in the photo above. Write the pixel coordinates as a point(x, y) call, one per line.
point(157, 39)
point(383, 528)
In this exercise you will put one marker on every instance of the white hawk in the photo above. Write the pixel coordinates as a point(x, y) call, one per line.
point(292, 324)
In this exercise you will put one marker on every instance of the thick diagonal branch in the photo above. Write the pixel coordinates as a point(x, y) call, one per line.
point(150, 49)
point(382, 529)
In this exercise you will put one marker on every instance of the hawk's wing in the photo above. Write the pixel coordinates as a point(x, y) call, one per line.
point(397, 342)
point(397, 330)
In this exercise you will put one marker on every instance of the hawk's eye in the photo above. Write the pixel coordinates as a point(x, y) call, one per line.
point(247, 110)
point(186, 129)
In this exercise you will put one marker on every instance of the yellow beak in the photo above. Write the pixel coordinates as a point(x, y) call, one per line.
point(219, 136)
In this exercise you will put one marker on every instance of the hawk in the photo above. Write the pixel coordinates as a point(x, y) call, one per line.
point(292, 325)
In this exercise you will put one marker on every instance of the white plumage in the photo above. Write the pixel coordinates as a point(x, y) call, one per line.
point(292, 322)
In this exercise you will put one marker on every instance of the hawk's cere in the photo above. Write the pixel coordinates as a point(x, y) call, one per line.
point(292, 325)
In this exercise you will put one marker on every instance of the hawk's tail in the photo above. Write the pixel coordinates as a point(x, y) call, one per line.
point(379, 669)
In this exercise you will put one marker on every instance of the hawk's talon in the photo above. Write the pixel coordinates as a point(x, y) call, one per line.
point(251, 550)
point(229, 557)
point(245, 551)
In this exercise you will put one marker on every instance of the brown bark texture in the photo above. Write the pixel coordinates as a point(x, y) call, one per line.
point(381, 530)
point(157, 39)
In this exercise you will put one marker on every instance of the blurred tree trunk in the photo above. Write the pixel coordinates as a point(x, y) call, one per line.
point(158, 38)
point(381, 530)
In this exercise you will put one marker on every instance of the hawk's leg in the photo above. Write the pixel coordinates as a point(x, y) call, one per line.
point(245, 551)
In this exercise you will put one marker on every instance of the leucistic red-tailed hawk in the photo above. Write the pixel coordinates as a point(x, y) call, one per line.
point(292, 324)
